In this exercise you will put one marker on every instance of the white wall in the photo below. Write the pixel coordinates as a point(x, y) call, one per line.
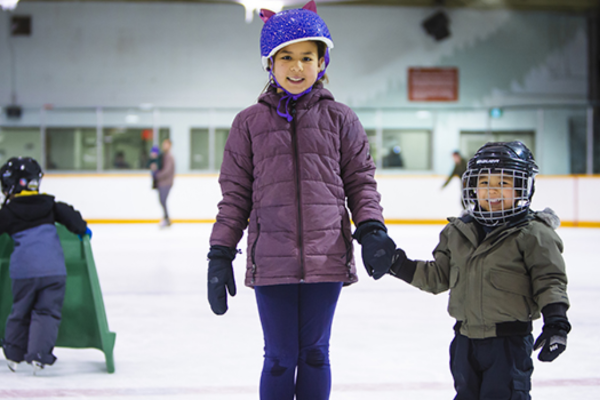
point(205, 55)
point(405, 198)
point(178, 55)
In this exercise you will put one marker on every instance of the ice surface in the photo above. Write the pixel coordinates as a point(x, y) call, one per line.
point(389, 340)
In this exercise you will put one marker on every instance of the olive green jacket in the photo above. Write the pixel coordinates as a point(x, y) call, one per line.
point(514, 272)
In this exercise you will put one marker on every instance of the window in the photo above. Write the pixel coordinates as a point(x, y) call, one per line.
point(20, 142)
point(129, 148)
point(221, 136)
point(406, 149)
point(471, 141)
point(401, 149)
point(200, 149)
point(71, 149)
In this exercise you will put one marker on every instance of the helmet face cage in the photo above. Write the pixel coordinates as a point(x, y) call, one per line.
point(496, 195)
point(20, 173)
point(499, 182)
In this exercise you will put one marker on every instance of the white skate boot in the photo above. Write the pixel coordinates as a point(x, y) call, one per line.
point(37, 366)
point(12, 365)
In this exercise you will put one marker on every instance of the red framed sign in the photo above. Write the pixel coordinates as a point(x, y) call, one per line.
point(433, 84)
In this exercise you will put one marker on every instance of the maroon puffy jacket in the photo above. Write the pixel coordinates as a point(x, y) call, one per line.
point(290, 181)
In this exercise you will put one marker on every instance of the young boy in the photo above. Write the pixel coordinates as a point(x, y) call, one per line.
point(37, 264)
point(155, 164)
point(503, 265)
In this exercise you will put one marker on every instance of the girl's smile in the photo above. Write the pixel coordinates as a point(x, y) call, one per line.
point(297, 66)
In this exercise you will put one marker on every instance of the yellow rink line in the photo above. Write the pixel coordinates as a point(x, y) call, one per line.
point(563, 224)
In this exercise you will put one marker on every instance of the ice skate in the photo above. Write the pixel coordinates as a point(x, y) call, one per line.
point(12, 365)
point(165, 223)
point(37, 366)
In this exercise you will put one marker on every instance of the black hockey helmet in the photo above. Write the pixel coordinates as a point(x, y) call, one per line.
point(20, 173)
point(506, 159)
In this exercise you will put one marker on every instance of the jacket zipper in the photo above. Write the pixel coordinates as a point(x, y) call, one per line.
point(298, 191)
point(253, 253)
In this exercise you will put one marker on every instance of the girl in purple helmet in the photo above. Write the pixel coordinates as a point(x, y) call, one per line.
point(292, 163)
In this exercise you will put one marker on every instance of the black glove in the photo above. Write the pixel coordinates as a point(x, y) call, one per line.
point(553, 339)
point(377, 248)
point(220, 275)
point(402, 267)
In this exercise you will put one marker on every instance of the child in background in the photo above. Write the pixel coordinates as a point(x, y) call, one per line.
point(154, 164)
point(290, 164)
point(37, 264)
point(503, 264)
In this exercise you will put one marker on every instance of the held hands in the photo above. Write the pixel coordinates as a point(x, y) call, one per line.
point(377, 248)
point(220, 276)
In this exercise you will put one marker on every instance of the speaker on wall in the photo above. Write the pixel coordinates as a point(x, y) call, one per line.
point(437, 26)
point(20, 25)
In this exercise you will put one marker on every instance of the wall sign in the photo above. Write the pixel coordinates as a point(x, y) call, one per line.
point(433, 84)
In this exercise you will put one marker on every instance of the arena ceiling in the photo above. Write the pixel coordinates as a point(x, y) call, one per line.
point(535, 5)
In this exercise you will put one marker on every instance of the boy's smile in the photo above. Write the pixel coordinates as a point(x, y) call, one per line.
point(495, 192)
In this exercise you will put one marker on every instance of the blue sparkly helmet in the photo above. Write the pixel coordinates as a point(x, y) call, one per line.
point(291, 26)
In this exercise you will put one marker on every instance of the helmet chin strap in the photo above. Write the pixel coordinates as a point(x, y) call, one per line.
point(290, 96)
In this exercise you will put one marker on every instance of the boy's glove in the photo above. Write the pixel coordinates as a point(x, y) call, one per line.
point(88, 232)
point(553, 339)
point(377, 248)
point(220, 276)
point(402, 267)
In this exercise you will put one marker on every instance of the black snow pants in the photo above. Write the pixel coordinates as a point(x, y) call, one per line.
point(497, 368)
point(32, 326)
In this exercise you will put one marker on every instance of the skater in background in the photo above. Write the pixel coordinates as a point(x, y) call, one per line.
point(37, 264)
point(154, 164)
point(290, 163)
point(503, 265)
point(460, 166)
point(165, 176)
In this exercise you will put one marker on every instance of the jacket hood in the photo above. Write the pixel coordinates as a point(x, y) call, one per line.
point(549, 217)
point(29, 208)
point(318, 92)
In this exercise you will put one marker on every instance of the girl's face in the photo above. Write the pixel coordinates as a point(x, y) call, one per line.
point(495, 192)
point(297, 66)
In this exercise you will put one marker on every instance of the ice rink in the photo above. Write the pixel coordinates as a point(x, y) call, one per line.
point(389, 340)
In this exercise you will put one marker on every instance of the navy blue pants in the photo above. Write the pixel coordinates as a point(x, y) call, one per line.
point(497, 368)
point(32, 326)
point(296, 322)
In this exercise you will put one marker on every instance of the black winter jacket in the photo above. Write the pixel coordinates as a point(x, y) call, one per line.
point(29, 219)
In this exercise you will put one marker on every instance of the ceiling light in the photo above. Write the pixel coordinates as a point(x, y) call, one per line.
point(8, 5)
point(252, 6)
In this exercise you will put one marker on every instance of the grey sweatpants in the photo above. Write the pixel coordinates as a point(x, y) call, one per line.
point(163, 193)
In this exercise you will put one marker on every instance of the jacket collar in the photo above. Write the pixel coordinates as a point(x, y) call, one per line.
point(318, 93)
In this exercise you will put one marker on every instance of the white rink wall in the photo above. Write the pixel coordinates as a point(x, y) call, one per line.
point(405, 198)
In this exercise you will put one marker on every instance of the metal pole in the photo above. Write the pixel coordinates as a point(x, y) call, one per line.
point(99, 141)
point(155, 138)
point(44, 159)
point(379, 138)
point(539, 138)
point(211, 140)
point(590, 142)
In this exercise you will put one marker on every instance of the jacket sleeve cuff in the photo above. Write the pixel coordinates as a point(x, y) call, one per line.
point(405, 270)
point(556, 314)
point(222, 252)
point(366, 227)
